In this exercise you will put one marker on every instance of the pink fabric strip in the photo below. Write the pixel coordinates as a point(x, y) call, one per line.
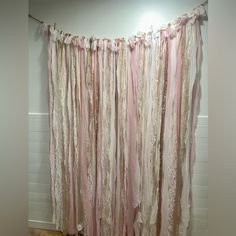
point(95, 111)
point(83, 150)
point(178, 88)
point(52, 137)
point(195, 95)
point(132, 152)
point(166, 144)
point(178, 98)
point(99, 151)
point(71, 157)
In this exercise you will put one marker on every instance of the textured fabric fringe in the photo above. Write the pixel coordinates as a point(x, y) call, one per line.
point(122, 117)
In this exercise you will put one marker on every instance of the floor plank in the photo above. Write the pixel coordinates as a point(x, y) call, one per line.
point(43, 232)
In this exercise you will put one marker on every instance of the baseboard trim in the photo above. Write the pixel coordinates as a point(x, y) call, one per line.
point(41, 225)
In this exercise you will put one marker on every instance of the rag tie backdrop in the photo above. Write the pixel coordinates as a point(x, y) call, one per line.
point(122, 120)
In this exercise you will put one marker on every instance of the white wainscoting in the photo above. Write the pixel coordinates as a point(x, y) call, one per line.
point(40, 210)
point(200, 180)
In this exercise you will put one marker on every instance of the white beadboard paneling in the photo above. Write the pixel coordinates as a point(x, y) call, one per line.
point(40, 212)
point(202, 120)
point(202, 143)
point(200, 213)
point(39, 171)
point(199, 220)
point(41, 224)
point(39, 197)
point(202, 131)
point(201, 179)
point(39, 157)
point(39, 168)
point(200, 224)
point(35, 163)
point(199, 202)
point(38, 178)
point(40, 206)
point(36, 215)
point(37, 136)
point(38, 126)
point(201, 155)
point(39, 147)
point(38, 122)
point(200, 168)
point(39, 188)
point(200, 191)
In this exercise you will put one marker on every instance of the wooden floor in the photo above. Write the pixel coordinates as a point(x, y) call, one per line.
point(43, 232)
